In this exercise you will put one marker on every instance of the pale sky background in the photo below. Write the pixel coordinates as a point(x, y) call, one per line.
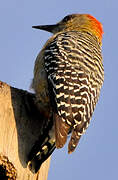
point(96, 157)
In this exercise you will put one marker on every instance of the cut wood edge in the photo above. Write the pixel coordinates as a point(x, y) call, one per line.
point(16, 136)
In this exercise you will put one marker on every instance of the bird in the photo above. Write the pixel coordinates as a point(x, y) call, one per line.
point(68, 76)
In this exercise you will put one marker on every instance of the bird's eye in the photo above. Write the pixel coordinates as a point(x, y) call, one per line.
point(67, 18)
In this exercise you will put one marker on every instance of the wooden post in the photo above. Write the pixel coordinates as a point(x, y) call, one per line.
point(20, 124)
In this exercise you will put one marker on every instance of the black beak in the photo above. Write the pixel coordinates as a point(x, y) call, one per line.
point(49, 28)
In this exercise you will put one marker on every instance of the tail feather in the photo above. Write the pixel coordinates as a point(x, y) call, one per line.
point(45, 151)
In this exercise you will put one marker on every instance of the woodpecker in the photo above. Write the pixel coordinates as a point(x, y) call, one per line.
point(68, 76)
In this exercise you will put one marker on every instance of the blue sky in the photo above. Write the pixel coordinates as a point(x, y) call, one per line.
point(96, 156)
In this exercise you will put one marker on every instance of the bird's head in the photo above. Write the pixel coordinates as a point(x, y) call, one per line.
point(76, 22)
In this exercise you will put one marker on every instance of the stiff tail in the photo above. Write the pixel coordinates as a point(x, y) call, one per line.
point(45, 151)
point(42, 148)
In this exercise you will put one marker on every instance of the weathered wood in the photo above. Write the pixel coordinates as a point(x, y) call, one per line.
point(20, 123)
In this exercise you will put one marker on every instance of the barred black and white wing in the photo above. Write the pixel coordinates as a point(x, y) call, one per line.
point(74, 69)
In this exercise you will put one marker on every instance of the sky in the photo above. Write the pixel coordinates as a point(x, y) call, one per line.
point(96, 156)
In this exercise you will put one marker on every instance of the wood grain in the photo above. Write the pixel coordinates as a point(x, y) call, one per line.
point(20, 123)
